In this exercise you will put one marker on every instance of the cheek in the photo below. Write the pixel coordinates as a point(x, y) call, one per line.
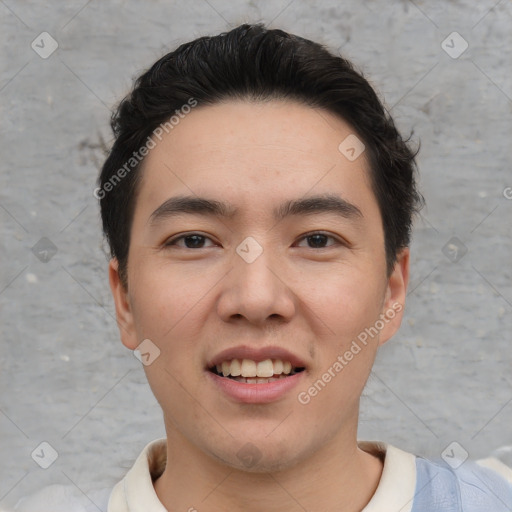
point(164, 301)
point(347, 302)
point(168, 310)
point(349, 305)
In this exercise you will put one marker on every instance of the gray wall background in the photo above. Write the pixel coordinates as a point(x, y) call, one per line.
point(66, 379)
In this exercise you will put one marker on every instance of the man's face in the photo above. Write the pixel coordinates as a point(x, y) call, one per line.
point(298, 288)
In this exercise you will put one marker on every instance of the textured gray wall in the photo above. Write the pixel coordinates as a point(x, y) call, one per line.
point(66, 379)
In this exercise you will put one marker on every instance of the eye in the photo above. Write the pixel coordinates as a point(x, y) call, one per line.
point(316, 240)
point(319, 239)
point(191, 241)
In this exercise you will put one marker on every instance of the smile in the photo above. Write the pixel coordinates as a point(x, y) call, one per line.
point(249, 371)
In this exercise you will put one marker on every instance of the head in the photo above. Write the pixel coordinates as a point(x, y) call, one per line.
point(257, 197)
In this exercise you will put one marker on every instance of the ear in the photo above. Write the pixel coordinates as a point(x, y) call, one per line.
point(124, 314)
point(394, 301)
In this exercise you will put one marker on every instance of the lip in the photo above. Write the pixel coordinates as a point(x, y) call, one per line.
point(255, 393)
point(256, 354)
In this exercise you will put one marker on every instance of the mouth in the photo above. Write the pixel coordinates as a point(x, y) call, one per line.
point(248, 375)
point(249, 371)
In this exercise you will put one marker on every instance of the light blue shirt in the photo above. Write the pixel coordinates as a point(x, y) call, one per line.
point(470, 488)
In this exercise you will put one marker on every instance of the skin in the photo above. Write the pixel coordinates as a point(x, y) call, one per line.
point(314, 301)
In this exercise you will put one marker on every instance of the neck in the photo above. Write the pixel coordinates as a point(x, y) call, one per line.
point(339, 476)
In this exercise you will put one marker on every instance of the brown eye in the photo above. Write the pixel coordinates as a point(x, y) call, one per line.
point(318, 240)
point(190, 241)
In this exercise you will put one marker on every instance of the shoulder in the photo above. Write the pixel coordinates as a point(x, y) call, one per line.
point(469, 487)
point(64, 498)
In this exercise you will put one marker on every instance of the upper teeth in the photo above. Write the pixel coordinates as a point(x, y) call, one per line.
point(250, 368)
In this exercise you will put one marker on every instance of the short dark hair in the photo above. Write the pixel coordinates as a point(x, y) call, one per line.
point(254, 63)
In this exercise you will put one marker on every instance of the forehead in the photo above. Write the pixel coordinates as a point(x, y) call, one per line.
point(254, 154)
point(239, 126)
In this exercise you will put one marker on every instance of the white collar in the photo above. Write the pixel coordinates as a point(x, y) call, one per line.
point(397, 484)
point(395, 493)
point(135, 492)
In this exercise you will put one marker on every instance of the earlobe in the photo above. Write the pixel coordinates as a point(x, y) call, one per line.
point(396, 291)
point(124, 314)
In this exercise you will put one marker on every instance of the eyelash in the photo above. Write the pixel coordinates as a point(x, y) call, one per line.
point(172, 241)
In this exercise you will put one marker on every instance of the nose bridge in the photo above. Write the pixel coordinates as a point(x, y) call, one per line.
point(254, 269)
point(254, 288)
point(254, 272)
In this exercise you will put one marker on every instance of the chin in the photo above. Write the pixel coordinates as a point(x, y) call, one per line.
point(260, 457)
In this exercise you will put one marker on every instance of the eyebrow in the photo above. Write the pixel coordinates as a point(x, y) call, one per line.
point(313, 205)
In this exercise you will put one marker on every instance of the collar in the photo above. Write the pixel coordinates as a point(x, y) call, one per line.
point(397, 484)
point(135, 493)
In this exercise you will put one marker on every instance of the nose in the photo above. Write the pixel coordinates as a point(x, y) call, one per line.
point(256, 291)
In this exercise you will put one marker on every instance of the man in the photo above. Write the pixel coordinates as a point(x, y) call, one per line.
point(258, 202)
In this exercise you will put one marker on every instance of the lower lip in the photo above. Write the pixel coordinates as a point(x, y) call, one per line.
point(255, 393)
